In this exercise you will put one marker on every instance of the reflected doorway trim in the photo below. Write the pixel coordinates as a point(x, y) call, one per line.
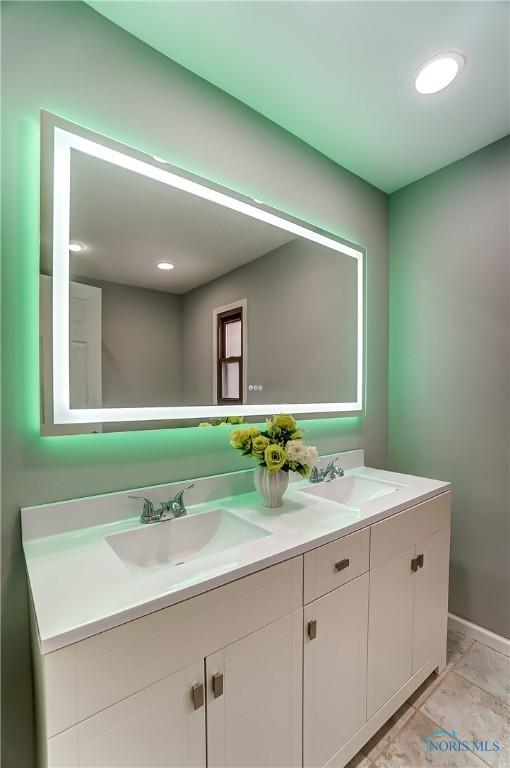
point(63, 141)
point(243, 303)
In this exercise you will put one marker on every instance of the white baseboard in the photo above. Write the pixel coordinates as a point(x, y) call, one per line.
point(485, 636)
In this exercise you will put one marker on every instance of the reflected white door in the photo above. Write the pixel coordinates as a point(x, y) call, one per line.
point(84, 353)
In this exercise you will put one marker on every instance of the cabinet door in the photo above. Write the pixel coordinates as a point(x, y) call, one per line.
point(254, 699)
point(335, 669)
point(390, 628)
point(431, 597)
point(158, 727)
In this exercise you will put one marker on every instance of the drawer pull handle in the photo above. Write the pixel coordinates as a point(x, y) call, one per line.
point(217, 684)
point(414, 564)
point(420, 559)
point(197, 695)
point(312, 629)
point(341, 564)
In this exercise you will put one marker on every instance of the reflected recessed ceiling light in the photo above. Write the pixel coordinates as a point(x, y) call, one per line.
point(75, 247)
point(165, 265)
point(438, 72)
point(160, 159)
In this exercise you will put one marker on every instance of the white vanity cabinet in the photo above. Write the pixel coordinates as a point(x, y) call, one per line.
point(213, 674)
point(335, 670)
point(254, 693)
point(157, 726)
point(409, 556)
point(298, 664)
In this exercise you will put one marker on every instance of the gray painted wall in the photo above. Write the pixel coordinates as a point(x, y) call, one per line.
point(449, 364)
point(66, 58)
point(300, 349)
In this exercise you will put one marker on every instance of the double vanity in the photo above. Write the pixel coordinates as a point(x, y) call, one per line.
point(235, 635)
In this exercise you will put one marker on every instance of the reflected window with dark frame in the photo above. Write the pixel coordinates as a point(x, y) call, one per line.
point(230, 356)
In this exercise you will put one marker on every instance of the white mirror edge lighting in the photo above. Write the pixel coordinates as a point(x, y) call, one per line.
point(63, 142)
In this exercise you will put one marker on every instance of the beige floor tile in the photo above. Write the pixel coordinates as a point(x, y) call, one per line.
point(488, 669)
point(409, 749)
point(463, 708)
point(457, 646)
point(380, 740)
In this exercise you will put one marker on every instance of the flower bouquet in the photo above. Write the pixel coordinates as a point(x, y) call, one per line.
point(277, 449)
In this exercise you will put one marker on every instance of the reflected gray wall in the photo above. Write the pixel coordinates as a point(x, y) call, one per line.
point(449, 364)
point(141, 346)
point(157, 347)
point(301, 307)
point(70, 60)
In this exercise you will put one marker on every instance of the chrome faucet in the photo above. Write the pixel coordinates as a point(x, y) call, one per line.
point(332, 470)
point(168, 509)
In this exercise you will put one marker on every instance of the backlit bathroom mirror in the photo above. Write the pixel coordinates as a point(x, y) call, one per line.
point(168, 301)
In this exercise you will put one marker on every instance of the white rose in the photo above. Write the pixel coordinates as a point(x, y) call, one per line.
point(296, 451)
point(313, 455)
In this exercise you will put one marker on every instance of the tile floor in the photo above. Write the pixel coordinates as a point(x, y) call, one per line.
point(471, 697)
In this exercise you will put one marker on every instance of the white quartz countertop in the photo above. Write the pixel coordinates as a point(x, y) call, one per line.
point(80, 587)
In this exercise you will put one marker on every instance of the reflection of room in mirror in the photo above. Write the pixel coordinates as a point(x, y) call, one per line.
point(166, 338)
point(244, 313)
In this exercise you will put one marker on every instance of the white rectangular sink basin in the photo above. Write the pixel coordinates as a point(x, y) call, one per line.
point(353, 490)
point(177, 541)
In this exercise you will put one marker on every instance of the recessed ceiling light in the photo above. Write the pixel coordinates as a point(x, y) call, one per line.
point(165, 265)
point(437, 73)
point(75, 247)
point(160, 159)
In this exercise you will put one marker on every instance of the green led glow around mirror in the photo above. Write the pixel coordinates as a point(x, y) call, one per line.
point(160, 454)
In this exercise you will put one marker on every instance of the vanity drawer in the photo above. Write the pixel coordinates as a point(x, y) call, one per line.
point(403, 530)
point(333, 564)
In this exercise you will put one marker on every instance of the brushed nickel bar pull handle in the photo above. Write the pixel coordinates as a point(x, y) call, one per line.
point(197, 695)
point(341, 564)
point(420, 560)
point(217, 684)
point(312, 629)
point(414, 564)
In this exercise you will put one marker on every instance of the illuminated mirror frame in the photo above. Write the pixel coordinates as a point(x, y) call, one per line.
point(64, 140)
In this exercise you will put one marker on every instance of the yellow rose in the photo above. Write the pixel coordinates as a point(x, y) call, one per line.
point(234, 419)
point(259, 444)
point(253, 431)
point(239, 438)
point(275, 457)
point(205, 424)
point(285, 421)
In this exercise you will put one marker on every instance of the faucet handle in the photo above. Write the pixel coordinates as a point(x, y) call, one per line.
point(316, 475)
point(180, 493)
point(145, 500)
point(148, 507)
point(178, 502)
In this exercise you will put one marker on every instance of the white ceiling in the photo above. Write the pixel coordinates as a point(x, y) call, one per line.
point(339, 75)
point(128, 223)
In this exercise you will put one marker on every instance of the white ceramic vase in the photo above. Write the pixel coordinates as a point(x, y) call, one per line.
point(271, 486)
